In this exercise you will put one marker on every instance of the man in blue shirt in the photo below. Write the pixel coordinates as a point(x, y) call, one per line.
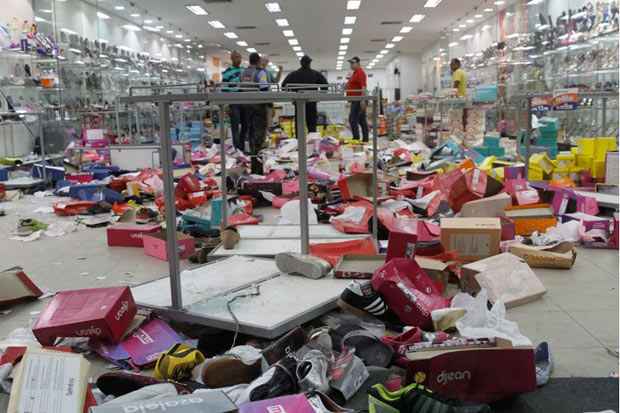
point(238, 126)
point(256, 115)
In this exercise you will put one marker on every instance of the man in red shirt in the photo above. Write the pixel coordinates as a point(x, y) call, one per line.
point(356, 86)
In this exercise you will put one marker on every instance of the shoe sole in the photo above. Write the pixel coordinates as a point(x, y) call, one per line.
point(228, 371)
point(291, 264)
point(346, 307)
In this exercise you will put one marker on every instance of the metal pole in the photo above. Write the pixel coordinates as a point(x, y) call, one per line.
point(42, 142)
point(223, 163)
point(165, 156)
point(118, 120)
point(375, 134)
point(528, 111)
point(303, 175)
point(138, 121)
point(604, 118)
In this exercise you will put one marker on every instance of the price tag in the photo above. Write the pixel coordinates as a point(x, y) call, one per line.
point(563, 205)
point(476, 178)
point(420, 192)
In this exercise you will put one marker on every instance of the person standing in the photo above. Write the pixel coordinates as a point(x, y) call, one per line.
point(264, 64)
point(459, 78)
point(238, 126)
point(256, 114)
point(307, 76)
point(356, 86)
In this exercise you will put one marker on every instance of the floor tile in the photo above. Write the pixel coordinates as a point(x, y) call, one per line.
point(603, 325)
point(594, 362)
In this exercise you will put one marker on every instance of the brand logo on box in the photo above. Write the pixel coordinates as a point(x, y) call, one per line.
point(135, 235)
point(122, 310)
point(87, 332)
point(446, 377)
point(276, 409)
point(161, 406)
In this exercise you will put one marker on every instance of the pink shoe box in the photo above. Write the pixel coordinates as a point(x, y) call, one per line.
point(527, 197)
point(129, 235)
point(155, 245)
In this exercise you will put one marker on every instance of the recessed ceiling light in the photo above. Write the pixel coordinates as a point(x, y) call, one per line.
point(159, 27)
point(293, 42)
point(135, 14)
point(453, 44)
point(470, 21)
point(499, 3)
point(347, 31)
point(102, 15)
point(169, 31)
point(273, 7)
point(119, 7)
point(196, 9)
point(48, 11)
point(251, 50)
point(179, 36)
point(389, 46)
point(288, 33)
point(299, 54)
point(406, 29)
point(343, 47)
point(231, 35)
point(456, 29)
point(150, 28)
point(384, 51)
point(488, 10)
point(131, 28)
point(353, 4)
point(417, 18)
point(345, 40)
point(478, 16)
point(350, 20)
point(342, 53)
point(297, 48)
point(462, 26)
point(148, 21)
point(282, 22)
point(187, 40)
point(216, 24)
point(242, 43)
point(200, 47)
point(397, 39)
point(467, 37)
point(432, 3)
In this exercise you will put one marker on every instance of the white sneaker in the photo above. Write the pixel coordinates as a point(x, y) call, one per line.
point(306, 265)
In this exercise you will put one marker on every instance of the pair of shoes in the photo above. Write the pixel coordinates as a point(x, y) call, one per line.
point(146, 215)
point(230, 238)
point(306, 265)
point(360, 299)
point(278, 381)
point(120, 383)
point(321, 403)
point(28, 226)
point(242, 364)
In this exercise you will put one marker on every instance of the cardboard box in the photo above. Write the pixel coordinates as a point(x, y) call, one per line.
point(213, 402)
point(104, 313)
point(561, 256)
point(354, 186)
point(49, 381)
point(490, 207)
point(16, 286)
point(472, 238)
point(155, 245)
point(401, 245)
point(589, 222)
point(129, 235)
point(297, 403)
point(527, 197)
point(358, 266)
point(530, 218)
point(506, 277)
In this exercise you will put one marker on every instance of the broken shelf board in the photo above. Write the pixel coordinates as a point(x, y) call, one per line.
point(269, 247)
point(323, 231)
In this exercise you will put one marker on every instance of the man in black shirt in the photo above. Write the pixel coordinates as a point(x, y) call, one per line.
point(307, 76)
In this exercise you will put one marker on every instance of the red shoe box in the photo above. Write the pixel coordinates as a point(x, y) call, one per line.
point(155, 245)
point(401, 245)
point(129, 235)
point(104, 313)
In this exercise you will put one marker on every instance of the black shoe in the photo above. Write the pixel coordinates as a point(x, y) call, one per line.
point(278, 381)
point(360, 299)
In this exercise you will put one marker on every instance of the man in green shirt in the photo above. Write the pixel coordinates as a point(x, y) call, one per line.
point(238, 124)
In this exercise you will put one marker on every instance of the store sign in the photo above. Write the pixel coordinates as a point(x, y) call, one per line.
point(566, 99)
point(542, 104)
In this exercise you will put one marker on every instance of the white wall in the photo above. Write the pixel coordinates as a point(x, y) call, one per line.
point(410, 79)
point(20, 9)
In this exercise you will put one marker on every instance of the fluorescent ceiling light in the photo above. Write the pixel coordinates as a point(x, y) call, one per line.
point(343, 47)
point(159, 27)
point(273, 7)
point(350, 20)
point(77, 51)
point(102, 15)
point(216, 24)
point(297, 48)
point(397, 39)
point(150, 28)
point(453, 44)
point(353, 4)
point(39, 19)
point(131, 28)
point(288, 33)
point(231, 35)
point(467, 37)
point(135, 15)
point(148, 21)
point(406, 29)
point(462, 26)
point(470, 21)
point(242, 43)
point(389, 46)
point(534, 2)
point(200, 47)
point(342, 53)
point(200, 69)
point(499, 3)
point(488, 10)
point(187, 40)
point(345, 40)
point(251, 50)
point(197, 10)
point(68, 31)
point(347, 31)
point(48, 11)
point(417, 18)
point(299, 54)
point(179, 45)
point(169, 31)
point(432, 3)
point(486, 27)
point(384, 51)
point(293, 42)
point(119, 7)
point(282, 22)
point(456, 29)
point(478, 16)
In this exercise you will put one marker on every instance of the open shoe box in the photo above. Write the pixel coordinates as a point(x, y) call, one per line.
point(358, 266)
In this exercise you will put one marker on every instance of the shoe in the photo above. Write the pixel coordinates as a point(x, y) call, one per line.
point(285, 345)
point(312, 372)
point(28, 226)
point(146, 215)
point(177, 363)
point(369, 348)
point(360, 299)
point(544, 363)
point(347, 375)
point(416, 398)
point(300, 264)
point(278, 381)
point(122, 382)
point(146, 394)
point(240, 365)
point(321, 403)
point(230, 238)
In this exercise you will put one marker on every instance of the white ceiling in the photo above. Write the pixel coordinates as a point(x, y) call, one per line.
point(317, 25)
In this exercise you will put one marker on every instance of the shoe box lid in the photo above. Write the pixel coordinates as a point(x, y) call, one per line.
point(212, 402)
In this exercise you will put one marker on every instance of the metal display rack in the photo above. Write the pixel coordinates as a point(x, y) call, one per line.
point(244, 94)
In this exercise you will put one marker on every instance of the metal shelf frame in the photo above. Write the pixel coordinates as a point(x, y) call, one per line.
point(248, 95)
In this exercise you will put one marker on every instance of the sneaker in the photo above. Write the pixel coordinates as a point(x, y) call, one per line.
point(321, 403)
point(285, 345)
point(230, 238)
point(28, 226)
point(360, 299)
point(119, 383)
point(300, 264)
point(544, 363)
point(146, 215)
point(278, 381)
point(240, 365)
point(177, 363)
point(312, 372)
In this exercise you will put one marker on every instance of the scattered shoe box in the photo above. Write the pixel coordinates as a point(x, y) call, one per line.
point(401, 245)
point(530, 218)
point(471, 238)
point(16, 286)
point(212, 402)
point(490, 207)
point(155, 245)
point(358, 266)
point(129, 235)
point(561, 256)
point(297, 403)
point(589, 222)
point(103, 313)
point(356, 186)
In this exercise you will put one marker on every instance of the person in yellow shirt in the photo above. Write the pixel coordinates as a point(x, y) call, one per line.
point(459, 78)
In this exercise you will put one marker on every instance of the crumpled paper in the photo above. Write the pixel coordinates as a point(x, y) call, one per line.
point(479, 322)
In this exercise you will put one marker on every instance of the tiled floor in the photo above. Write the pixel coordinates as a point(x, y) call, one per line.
point(578, 316)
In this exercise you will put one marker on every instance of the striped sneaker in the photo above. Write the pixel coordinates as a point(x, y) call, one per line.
point(360, 299)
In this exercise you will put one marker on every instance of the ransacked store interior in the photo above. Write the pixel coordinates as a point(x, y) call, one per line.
point(293, 206)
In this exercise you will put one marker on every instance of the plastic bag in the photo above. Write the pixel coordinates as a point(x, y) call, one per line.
point(479, 322)
point(290, 213)
point(332, 252)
